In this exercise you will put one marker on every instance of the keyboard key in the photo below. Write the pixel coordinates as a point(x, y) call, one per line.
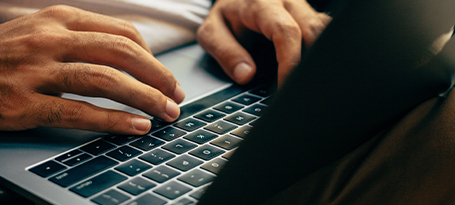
point(228, 107)
point(97, 147)
point(183, 201)
point(161, 174)
point(78, 159)
point(98, 183)
point(172, 190)
point(83, 171)
point(240, 118)
point(256, 109)
point(157, 124)
point(266, 101)
point(120, 139)
point(197, 177)
point(198, 193)
point(215, 165)
point(210, 115)
point(169, 133)
point(133, 167)
point(111, 197)
point(254, 123)
point(263, 91)
point(179, 146)
point(190, 124)
point(147, 199)
point(68, 155)
point(200, 136)
point(227, 142)
point(124, 153)
point(243, 131)
point(207, 152)
point(209, 101)
point(47, 169)
point(220, 127)
point(136, 186)
point(157, 156)
point(246, 99)
point(228, 154)
point(147, 143)
point(184, 162)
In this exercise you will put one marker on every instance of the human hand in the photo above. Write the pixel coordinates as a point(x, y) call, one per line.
point(284, 22)
point(62, 49)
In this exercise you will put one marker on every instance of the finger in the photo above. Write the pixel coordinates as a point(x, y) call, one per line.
point(311, 22)
point(277, 24)
point(80, 20)
point(444, 61)
point(448, 48)
point(102, 81)
point(49, 111)
point(122, 53)
point(216, 38)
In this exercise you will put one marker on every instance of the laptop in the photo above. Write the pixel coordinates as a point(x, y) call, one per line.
point(243, 144)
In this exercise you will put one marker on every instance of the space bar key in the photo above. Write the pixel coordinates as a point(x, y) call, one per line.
point(83, 171)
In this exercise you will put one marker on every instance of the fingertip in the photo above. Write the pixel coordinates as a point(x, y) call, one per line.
point(172, 111)
point(179, 95)
point(141, 125)
point(243, 73)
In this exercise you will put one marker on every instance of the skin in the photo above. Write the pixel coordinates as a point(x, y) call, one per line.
point(284, 22)
point(62, 49)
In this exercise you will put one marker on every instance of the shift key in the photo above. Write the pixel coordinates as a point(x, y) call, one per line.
point(83, 171)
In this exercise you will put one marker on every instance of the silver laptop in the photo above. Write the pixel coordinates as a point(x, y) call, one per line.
point(211, 155)
point(172, 163)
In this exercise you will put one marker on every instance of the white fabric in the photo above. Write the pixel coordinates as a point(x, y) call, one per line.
point(164, 24)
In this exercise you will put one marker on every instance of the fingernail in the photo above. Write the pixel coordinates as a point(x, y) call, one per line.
point(172, 109)
point(241, 71)
point(179, 95)
point(141, 124)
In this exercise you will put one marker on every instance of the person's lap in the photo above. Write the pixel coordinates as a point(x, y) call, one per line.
point(410, 163)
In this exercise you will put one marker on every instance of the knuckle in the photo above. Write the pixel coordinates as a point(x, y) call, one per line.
point(204, 32)
point(218, 49)
point(130, 30)
point(255, 7)
point(13, 119)
point(152, 102)
point(123, 47)
point(105, 79)
point(313, 29)
point(121, 43)
point(20, 112)
point(41, 36)
point(70, 75)
point(111, 121)
point(13, 106)
point(58, 11)
point(153, 96)
point(73, 113)
point(290, 29)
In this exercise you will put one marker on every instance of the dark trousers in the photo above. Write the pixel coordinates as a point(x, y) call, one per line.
point(411, 163)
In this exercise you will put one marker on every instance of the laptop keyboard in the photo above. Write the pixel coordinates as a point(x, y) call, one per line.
point(173, 164)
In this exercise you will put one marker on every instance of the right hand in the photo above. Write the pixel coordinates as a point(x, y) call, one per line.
point(62, 49)
point(284, 22)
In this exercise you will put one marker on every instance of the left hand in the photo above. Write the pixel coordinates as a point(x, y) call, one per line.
point(284, 22)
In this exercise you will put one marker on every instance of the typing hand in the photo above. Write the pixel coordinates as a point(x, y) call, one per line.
point(284, 22)
point(62, 49)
